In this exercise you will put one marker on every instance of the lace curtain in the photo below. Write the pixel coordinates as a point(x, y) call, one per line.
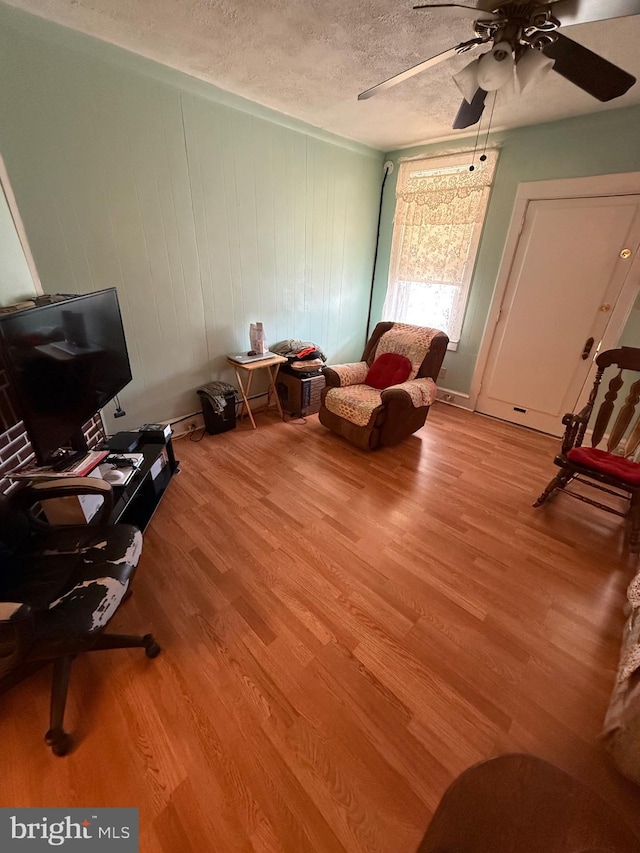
point(440, 209)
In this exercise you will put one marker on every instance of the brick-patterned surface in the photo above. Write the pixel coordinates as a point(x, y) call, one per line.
point(7, 409)
point(15, 447)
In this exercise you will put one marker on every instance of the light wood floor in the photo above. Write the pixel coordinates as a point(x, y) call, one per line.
point(343, 634)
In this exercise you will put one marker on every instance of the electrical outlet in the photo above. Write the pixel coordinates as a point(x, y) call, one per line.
point(191, 426)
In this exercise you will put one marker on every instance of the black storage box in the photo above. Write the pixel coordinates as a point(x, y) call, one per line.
point(299, 393)
point(217, 422)
point(124, 442)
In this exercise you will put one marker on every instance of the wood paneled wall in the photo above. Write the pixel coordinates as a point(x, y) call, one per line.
point(204, 216)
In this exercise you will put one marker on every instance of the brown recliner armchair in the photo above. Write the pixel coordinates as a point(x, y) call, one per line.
point(384, 398)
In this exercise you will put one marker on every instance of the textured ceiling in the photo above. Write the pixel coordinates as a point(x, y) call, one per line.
point(310, 58)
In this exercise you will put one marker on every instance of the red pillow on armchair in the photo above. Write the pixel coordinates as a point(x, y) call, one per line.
point(388, 369)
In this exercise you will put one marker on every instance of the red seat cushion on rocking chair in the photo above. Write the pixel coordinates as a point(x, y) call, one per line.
point(606, 463)
point(388, 369)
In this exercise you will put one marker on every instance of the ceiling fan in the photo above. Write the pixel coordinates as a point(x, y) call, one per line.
point(526, 43)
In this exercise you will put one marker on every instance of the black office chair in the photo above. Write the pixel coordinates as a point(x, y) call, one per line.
point(59, 587)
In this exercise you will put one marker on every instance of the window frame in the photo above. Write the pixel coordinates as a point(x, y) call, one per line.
point(463, 287)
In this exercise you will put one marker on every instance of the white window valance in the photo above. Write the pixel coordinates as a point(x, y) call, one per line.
point(440, 209)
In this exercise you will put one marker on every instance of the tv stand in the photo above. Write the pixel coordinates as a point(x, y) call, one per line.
point(136, 502)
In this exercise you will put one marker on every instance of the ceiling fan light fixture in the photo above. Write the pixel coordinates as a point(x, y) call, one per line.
point(467, 80)
point(532, 67)
point(508, 92)
point(496, 67)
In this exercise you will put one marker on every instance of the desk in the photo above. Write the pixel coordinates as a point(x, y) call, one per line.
point(272, 366)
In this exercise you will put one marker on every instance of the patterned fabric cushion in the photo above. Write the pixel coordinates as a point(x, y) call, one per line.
point(422, 391)
point(630, 657)
point(388, 369)
point(351, 374)
point(355, 403)
point(411, 341)
point(622, 723)
point(615, 466)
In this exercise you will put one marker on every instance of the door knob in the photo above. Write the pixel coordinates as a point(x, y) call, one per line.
point(588, 344)
point(606, 307)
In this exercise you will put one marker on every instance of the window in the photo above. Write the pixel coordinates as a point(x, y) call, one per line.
point(440, 209)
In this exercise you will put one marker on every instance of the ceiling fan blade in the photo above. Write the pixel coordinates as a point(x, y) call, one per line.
point(570, 12)
point(421, 66)
point(470, 113)
point(586, 69)
point(472, 11)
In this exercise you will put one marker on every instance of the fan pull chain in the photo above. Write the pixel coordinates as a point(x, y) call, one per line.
point(483, 156)
point(472, 167)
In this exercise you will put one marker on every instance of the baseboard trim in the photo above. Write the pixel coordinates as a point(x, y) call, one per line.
point(181, 426)
point(454, 398)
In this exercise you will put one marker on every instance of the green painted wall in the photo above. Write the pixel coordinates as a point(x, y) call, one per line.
point(205, 211)
point(16, 283)
point(597, 144)
point(631, 334)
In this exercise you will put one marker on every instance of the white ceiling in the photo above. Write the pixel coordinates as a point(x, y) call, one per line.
point(310, 58)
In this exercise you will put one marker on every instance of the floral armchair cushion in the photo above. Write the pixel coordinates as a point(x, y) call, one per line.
point(422, 392)
point(351, 374)
point(358, 403)
point(622, 722)
point(413, 342)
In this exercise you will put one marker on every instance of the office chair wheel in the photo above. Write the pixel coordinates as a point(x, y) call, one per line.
point(151, 648)
point(59, 741)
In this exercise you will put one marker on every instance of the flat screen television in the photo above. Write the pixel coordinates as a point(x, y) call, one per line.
point(65, 361)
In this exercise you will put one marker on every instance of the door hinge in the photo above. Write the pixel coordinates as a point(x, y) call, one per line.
point(499, 315)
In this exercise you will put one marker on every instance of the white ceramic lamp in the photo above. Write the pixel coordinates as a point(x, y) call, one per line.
point(531, 68)
point(496, 67)
point(467, 80)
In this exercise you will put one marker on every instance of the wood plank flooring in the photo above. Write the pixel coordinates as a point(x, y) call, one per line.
point(343, 634)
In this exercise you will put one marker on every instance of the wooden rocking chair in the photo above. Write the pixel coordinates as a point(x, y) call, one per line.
point(611, 468)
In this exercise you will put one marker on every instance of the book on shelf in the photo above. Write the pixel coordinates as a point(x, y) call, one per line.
point(32, 471)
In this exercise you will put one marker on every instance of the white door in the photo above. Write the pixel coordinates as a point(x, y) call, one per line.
point(566, 277)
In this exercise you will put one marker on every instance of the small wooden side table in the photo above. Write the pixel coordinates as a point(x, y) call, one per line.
point(272, 366)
